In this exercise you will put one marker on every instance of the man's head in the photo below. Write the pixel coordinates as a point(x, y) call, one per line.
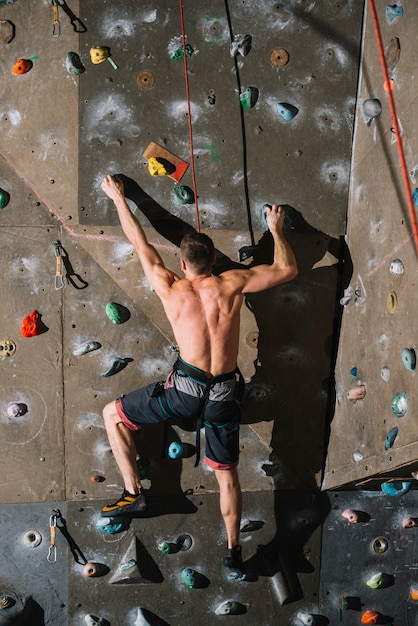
point(197, 253)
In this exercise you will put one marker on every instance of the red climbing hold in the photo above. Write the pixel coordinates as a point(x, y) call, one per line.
point(31, 324)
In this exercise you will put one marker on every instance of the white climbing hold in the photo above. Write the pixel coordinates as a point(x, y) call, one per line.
point(92, 620)
point(32, 538)
point(307, 619)
point(230, 607)
point(397, 267)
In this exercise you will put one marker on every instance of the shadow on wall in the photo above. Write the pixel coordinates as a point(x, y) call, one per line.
point(298, 326)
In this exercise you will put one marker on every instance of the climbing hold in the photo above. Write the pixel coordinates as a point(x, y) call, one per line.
point(307, 619)
point(414, 594)
point(184, 542)
point(230, 607)
point(370, 617)
point(249, 97)
point(353, 372)
point(252, 339)
point(392, 52)
point(397, 267)
point(183, 194)
point(415, 197)
point(279, 57)
point(89, 346)
point(167, 547)
point(357, 456)
point(97, 478)
point(380, 545)
point(175, 450)
point(145, 79)
point(32, 325)
point(351, 516)
point(93, 570)
point(409, 522)
point(17, 409)
point(211, 97)
point(117, 313)
point(92, 620)
point(98, 54)
point(156, 167)
point(356, 393)
point(392, 302)
point(22, 66)
point(393, 11)
point(7, 31)
point(118, 365)
point(127, 565)
point(4, 198)
point(32, 538)
point(6, 602)
point(397, 488)
point(372, 108)
point(178, 55)
point(188, 576)
point(400, 404)
point(385, 373)
point(390, 437)
point(73, 63)
point(409, 359)
point(112, 526)
point(7, 347)
point(379, 581)
point(241, 45)
point(287, 111)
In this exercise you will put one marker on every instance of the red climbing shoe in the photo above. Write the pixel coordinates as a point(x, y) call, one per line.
point(128, 503)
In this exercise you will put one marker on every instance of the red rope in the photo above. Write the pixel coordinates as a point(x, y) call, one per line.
point(189, 115)
point(395, 125)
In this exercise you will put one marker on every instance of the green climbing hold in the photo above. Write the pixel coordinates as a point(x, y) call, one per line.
point(179, 53)
point(166, 548)
point(4, 198)
point(128, 565)
point(116, 312)
point(188, 576)
point(183, 194)
point(249, 97)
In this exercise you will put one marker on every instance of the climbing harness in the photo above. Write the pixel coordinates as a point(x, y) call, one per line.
point(52, 552)
point(59, 253)
point(56, 28)
point(395, 123)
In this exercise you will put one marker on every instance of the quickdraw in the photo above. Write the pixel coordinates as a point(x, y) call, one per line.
point(52, 552)
point(59, 253)
point(56, 28)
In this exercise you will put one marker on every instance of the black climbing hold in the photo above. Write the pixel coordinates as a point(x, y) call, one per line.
point(4, 198)
point(73, 63)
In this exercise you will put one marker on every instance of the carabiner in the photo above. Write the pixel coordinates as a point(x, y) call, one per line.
point(56, 28)
point(59, 281)
point(52, 552)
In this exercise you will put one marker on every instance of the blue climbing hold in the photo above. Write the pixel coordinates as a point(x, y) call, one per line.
point(188, 576)
point(110, 526)
point(393, 11)
point(415, 197)
point(353, 371)
point(400, 404)
point(287, 111)
point(409, 359)
point(397, 488)
point(390, 437)
point(175, 450)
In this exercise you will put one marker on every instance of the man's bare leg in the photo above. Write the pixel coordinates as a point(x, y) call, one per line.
point(230, 503)
point(123, 448)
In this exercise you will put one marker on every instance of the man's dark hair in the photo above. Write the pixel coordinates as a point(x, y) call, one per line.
point(198, 251)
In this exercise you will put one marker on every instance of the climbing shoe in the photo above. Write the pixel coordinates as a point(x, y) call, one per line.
point(233, 561)
point(128, 503)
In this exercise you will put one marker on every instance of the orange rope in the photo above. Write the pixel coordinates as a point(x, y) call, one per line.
point(395, 125)
point(189, 116)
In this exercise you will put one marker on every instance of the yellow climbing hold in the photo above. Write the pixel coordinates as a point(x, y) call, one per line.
point(99, 54)
point(156, 168)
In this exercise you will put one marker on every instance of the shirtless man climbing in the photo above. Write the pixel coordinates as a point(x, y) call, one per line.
point(204, 312)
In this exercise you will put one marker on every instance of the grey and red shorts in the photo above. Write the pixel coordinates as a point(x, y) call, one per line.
point(183, 396)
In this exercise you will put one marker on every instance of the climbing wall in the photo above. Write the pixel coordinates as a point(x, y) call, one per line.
point(61, 133)
point(375, 434)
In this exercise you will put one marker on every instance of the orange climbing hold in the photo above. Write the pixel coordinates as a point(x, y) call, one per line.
point(414, 594)
point(370, 617)
point(31, 325)
point(22, 66)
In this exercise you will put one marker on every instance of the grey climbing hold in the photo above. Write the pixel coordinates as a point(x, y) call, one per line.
point(307, 619)
point(287, 111)
point(92, 620)
point(17, 409)
point(409, 359)
point(86, 347)
point(7, 31)
point(372, 108)
point(117, 366)
point(390, 437)
point(397, 267)
point(175, 450)
point(73, 63)
point(249, 97)
point(32, 538)
point(241, 45)
point(400, 404)
point(385, 373)
point(393, 11)
point(230, 607)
